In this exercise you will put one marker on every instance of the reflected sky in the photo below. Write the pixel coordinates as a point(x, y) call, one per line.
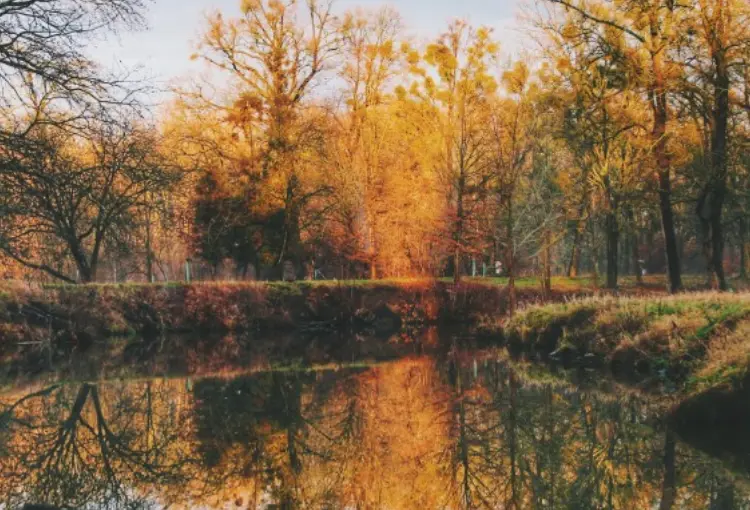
point(444, 432)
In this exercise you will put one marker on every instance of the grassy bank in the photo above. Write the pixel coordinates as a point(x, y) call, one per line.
point(77, 314)
point(41, 327)
point(65, 317)
point(695, 346)
point(691, 342)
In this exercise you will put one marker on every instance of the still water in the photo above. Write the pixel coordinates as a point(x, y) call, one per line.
point(452, 431)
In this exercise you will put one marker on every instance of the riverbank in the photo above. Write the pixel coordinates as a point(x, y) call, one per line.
point(76, 314)
point(692, 349)
point(689, 342)
point(58, 319)
point(79, 314)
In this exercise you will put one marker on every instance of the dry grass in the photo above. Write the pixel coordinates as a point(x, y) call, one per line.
point(81, 314)
point(101, 310)
point(698, 340)
point(727, 357)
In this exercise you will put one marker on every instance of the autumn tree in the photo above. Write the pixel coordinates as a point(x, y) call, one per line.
point(513, 126)
point(275, 53)
point(44, 42)
point(219, 210)
point(370, 61)
point(458, 85)
point(650, 39)
point(410, 233)
point(43, 59)
point(741, 180)
point(87, 444)
point(602, 125)
point(718, 46)
point(542, 220)
point(225, 226)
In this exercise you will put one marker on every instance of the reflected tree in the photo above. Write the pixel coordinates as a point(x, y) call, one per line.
point(75, 446)
point(460, 432)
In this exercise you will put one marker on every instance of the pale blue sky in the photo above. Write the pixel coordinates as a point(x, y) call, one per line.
point(164, 49)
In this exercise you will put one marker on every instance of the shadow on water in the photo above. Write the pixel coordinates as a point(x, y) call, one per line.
point(436, 428)
point(717, 421)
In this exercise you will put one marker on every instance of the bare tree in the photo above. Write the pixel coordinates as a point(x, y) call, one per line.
point(75, 190)
point(42, 47)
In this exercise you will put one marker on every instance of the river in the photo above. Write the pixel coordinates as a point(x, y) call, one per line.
point(430, 429)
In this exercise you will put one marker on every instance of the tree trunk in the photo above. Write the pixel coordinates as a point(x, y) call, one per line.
point(634, 253)
point(85, 273)
point(463, 439)
point(512, 441)
point(717, 237)
point(547, 266)
point(704, 222)
point(575, 257)
point(613, 237)
point(149, 252)
point(624, 255)
point(668, 228)
point(458, 231)
point(745, 245)
point(744, 248)
point(457, 265)
point(720, 126)
point(660, 107)
point(292, 245)
point(509, 260)
point(595, 255)
point(637, 259)
point(372, 255)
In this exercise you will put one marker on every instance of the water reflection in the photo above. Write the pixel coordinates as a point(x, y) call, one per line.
point(456, 432)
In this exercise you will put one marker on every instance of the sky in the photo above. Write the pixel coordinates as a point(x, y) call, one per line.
point(162, 52)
